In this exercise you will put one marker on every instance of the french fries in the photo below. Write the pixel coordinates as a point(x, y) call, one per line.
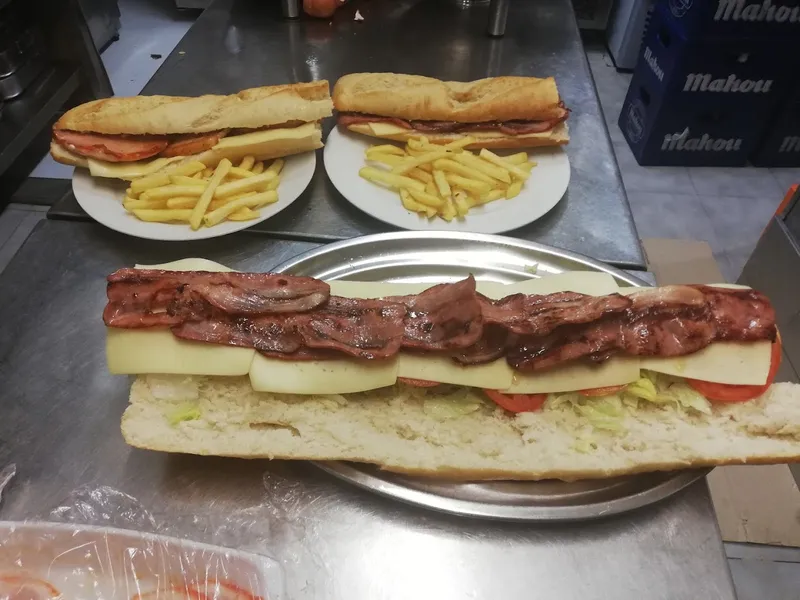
point(445, 181)
point(191, 193)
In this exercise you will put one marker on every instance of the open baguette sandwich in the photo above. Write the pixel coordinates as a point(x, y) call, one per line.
point(127, 138)
point(498, 112)
point(566, 376)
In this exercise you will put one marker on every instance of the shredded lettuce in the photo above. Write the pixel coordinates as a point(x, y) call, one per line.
point(185, 412)
point(448, 406)
point(608, 413)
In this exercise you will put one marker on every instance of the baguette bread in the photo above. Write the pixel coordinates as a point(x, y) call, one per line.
point(163, 115)
point(414, 97)
point(557, 136)
point(391, 429)
point(299, 139)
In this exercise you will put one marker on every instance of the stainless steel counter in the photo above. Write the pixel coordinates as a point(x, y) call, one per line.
point(59, 423)
point(237, 44)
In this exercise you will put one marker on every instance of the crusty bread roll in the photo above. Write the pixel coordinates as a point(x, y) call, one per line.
point(426, 99)
point(162, 115)
point(303, 138)
point(395, 432)
point(557, 136)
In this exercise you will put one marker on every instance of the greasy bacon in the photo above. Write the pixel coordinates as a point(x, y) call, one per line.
point(670, 321)
point(445, 316)
point(113, 148)
point(528, 314)
point(366, 329)
point(295, 318)
point(194, 295)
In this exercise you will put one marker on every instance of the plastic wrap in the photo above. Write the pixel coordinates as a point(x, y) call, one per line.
point(107, 545)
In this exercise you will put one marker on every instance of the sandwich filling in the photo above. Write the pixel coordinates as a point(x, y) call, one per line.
point(296, 318)
point(512, 128)
point(131, 148)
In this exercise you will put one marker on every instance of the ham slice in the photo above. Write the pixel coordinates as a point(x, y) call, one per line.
point(111, 148)
point(186, 145)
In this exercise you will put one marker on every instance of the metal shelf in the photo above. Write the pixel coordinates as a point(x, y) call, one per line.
point(23, 118)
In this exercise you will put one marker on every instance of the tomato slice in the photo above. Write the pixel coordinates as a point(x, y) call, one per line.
point(602, 391)
point(517, 403)
point(721, 392)
point(417, 382)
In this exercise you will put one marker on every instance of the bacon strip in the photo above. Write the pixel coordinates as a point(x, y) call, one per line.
point(167, 295)
point(295, 318)
point(673, 321)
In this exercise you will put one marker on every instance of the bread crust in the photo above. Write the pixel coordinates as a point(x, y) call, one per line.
point(161, 115)
point(394, 434)
point(558, 136)
point(423, 98)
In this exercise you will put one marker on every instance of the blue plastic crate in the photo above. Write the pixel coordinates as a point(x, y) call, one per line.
point(758, 71)
point(780, 146)
point(701, 102)
point(664, 131)
point(740, 19)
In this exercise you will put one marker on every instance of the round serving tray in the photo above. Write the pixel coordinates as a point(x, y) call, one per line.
point(444, 256)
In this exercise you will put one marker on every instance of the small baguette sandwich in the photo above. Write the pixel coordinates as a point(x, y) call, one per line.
point(499, 112)
point(566, 376)
point(127, 138)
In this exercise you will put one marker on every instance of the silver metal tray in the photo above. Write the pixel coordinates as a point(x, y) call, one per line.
point(439, 256)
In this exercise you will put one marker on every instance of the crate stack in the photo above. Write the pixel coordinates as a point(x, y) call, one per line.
point(716, 84)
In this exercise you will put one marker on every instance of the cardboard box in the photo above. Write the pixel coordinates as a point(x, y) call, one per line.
point(755, 504)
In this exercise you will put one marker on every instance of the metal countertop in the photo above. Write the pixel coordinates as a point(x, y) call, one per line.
point(237, 44)
point(60, 424)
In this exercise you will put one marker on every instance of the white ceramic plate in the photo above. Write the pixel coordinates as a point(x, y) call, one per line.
point(101, 198)
point(344, 156)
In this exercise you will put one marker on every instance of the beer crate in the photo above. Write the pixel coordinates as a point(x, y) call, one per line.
point(735, 19)
point(700, 102)
point(780, 146)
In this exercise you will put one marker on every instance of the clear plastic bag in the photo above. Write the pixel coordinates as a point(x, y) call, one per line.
point(107, 545)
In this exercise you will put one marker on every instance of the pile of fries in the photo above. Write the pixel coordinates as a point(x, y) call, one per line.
point(191, 193)
point(446, 180)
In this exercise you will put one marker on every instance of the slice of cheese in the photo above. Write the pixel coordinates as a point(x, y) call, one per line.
point(256, 138)
point(383, 289)
point(190, 264)
point(140, 351)
point(129, 170)
point(320, 377)
point(592, 283)
point(380, 129)
point(569, 378)
point(722, 362)
point(374, 289)
point(496, 375)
